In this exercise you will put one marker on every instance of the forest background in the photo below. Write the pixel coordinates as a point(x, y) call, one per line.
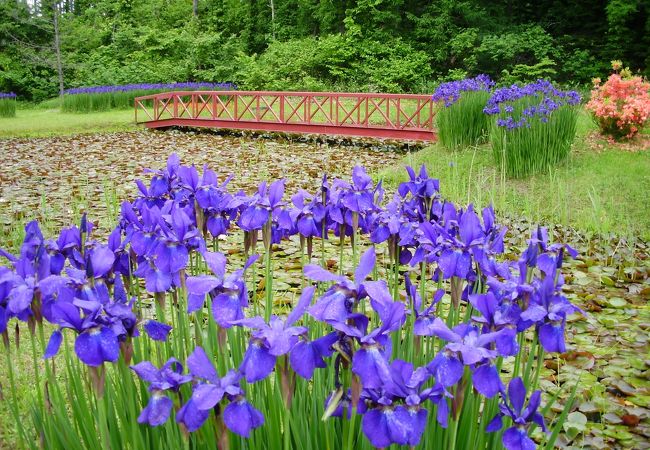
point(352, 45)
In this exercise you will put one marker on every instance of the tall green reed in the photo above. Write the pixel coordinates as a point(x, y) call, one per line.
point(7, 107)
point(463, 123)
point(534, 148)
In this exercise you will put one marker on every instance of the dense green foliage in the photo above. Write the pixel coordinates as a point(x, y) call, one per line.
point(388, 45)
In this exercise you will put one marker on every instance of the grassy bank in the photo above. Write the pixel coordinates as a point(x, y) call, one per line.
point(38, 122)
point(600, 188)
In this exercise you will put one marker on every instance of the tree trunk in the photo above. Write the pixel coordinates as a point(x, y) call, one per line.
point(57, 45)
point(195, 8)
point(273, 19)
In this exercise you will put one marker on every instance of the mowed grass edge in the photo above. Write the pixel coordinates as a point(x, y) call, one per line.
point(35, 122)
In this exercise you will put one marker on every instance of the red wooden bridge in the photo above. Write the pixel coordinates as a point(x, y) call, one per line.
point(394, 116)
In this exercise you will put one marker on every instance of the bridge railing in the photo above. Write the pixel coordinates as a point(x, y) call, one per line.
point(297, 111)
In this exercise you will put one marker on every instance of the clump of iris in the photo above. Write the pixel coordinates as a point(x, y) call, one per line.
point(533, 127)
point(461, 122)
point(102, 98)
point(7, 104)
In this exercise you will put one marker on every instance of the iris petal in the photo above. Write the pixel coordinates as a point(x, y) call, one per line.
point(241, 417)
point(257, 363)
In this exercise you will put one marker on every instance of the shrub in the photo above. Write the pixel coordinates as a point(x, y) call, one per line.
point(335, 62)
point(621, 106)
point(534, 128)
point(461, 122)
point(7, 104)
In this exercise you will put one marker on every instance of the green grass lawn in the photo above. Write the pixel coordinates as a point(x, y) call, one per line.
point(599, 190)
point(38, 122)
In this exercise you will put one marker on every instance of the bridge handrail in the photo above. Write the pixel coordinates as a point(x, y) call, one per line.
point(289, 94)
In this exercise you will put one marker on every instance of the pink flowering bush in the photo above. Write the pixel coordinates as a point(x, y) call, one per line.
point(620, 106)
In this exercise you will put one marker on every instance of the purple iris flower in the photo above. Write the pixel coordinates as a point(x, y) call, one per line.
point(548, 309)
point(516, 437)
point(466, 347)
point(271, 340)
point(358, 196)
point(538, 245)
point(166, 249)
point(190, 85)
point(370, 361)
point(162, 186)
point(205, 396)
point(214, 202)
point(31, 282)
point(96, 342)
point(494, 317)
point(396, 412)
point(389, 424)
point(228, 305)
point(336, 307)
point(308, 215)
point(462, 235)
point(419, 185)
point(239, 415)
point(261, 206)
point(393, 225)
point(307, 355)
point(141, 230)
point(119, 311)
point(208, 394)
point(154, 195)
point(352, 204)
point(199, 286)
point(229, 293)
point(168, 378)
point(425, 192)
point(156, 330)
point(424, 317)
point(541, 98)
point(101, 322)
point(339, 300)
point(119, 247)
point(6, 284)
point(90, 281)
point(175, 241)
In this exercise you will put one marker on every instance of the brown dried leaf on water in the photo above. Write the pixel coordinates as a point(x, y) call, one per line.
point(630, 420)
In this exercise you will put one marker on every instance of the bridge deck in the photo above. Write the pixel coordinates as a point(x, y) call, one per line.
point(394, 116)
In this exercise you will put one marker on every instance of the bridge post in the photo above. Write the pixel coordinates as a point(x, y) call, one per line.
point(399, 113)
point(281, 97)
